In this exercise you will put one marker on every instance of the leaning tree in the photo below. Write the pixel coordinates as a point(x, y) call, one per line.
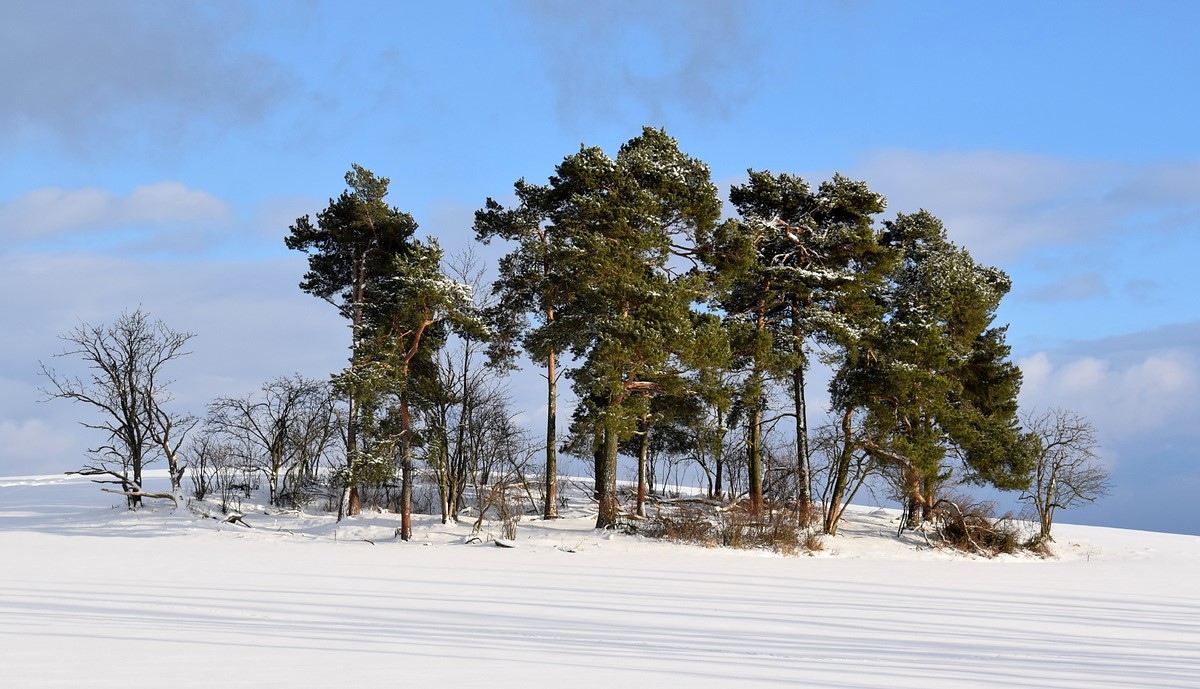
point(411, 310)
point(929, 390)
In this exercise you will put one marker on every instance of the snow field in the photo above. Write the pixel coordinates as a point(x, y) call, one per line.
point(94, 596)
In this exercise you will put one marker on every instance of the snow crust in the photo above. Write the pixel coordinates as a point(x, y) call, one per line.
point(94, 596)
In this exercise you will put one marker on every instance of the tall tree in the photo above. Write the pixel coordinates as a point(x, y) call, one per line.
point(807, 264)
point(629, 216)
point(409, 312)
point(593, 270)
point(357, 239)
point(127, 385)
point(933, 381)
point(531, 288)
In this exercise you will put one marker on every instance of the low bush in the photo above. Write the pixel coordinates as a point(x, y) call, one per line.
point(970, 527)
point(776, 529)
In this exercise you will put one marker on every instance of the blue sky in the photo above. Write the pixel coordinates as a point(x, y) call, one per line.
point(155, 154)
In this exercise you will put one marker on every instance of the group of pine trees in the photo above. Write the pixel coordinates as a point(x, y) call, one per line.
point(679, 332)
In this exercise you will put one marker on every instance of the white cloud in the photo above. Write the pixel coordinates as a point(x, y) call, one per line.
point(1036, 368)
point(646, 59)
point(91, 72)
point(1006, 205)
point(50, 212)
point(1086, 375)
point(1154, 391)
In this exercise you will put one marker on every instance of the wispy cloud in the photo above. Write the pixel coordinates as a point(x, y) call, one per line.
point(1004, 206)
point(1127, 385)
point(1071, 288)
point(644, 60)
point(86, 71)
point(51, 213)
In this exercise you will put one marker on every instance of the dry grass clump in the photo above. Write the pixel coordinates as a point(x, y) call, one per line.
point(971, 527)
point(680, 525)
point(777, 529)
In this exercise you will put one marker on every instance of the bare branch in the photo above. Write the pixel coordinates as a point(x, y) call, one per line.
point(1068, 471)
point(126, 387)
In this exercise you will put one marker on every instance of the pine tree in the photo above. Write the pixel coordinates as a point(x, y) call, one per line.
point(357, 239)
point(532, 284)
point(800, 265)
point(933, 381)
point(596, 275)
point(409, 314)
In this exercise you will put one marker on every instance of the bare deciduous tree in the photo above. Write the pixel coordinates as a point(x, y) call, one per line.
point(278, 428)
point(218, 467)
point(126, 385)
point(1068, 471)
point(459, 398)
point(841, 469)
point(504, 454)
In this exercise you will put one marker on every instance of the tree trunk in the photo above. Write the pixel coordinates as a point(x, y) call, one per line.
point(833, 512)
point(276, 464)
point(551, 508)
point(914, 513)
point(1046, 508)
point(352, 503)
point(928, 499)
point(606, 517)
point(1047, 519)
point(718, 489)
point(803, 469)
point(599, 465)
point(643, 453)
point(466, 414)
point(754, 439)
point(804, 501)
point(754, 450)
point(445, 480)
point(719, 457)
point(358, 290)
point(406, 461)
point(135, 501)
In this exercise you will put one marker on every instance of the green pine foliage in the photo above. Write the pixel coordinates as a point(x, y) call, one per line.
point(680, 328)
point(799, 267)
point(933, 376)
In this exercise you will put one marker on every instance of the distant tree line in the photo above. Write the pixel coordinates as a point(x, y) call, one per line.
point(686, 338)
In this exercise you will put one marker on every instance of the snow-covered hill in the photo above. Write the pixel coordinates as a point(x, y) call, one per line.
point(94, 596)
